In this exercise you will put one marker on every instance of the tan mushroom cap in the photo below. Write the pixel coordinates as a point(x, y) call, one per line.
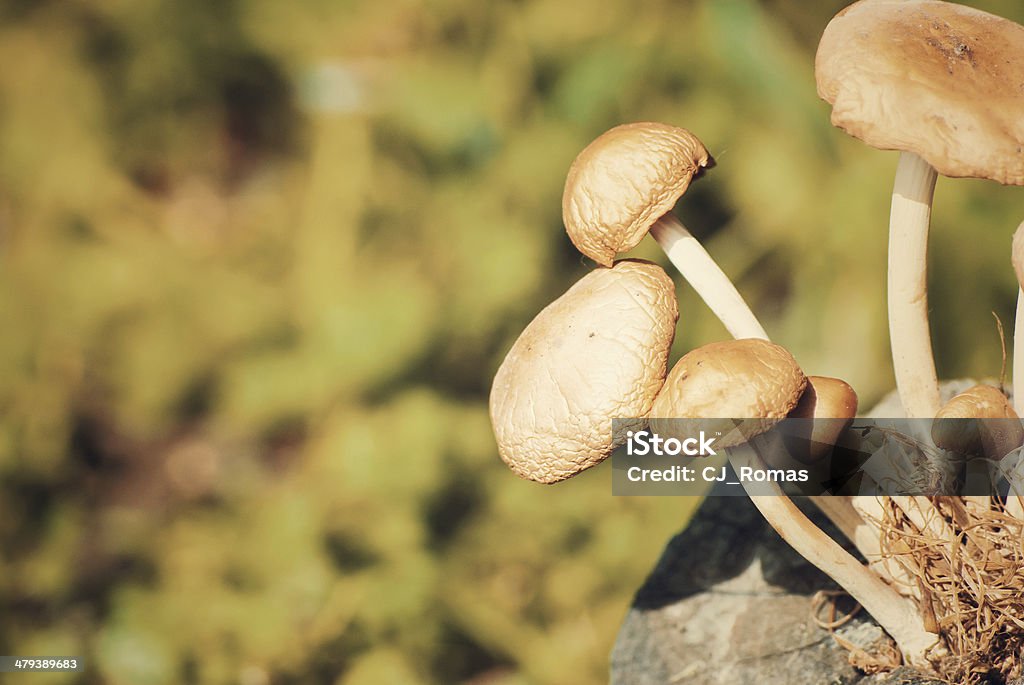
point(623, 182)
point(991, 439)
point(831, 404)
point(747, 378)
point(826, 398)
point(598, 352)
point(934, 78)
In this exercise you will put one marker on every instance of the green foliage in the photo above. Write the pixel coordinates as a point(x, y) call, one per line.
point(259, 261)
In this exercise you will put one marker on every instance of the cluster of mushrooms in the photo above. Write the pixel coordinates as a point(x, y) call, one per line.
point(941, 83)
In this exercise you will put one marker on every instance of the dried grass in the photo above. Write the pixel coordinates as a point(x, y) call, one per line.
point(970, 584)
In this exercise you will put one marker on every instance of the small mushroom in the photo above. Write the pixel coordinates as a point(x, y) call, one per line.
point(742, 387)
point(828, 407)
point(598, 352)
point(939, 82)
point(624, 185)
point(979, 423)
point(759, 383)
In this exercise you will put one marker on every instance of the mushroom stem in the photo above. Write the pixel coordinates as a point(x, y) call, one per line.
point(909, 335)
point(706, 277)
point(863, 531)
point(897, 615)
point(870, 509)
point(1018, 355)
point(925, 517)
point(720, 294)
point(1015, 499)
point(840, 511)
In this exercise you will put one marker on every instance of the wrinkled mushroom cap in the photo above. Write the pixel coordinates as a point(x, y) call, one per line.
point(952, 430)
point(735, 379)
point(935, 78)
point(598, 352)
point(623, 182)
point(830, 405)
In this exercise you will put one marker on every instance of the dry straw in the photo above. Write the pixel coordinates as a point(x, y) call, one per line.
point(969, 585)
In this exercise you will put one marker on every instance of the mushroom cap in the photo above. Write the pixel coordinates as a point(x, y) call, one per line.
point(826, 398)
point(623, 182)
point(934, 78)
point(747, 378)
point(598, 352)
point(994, 438)
point(831, 404)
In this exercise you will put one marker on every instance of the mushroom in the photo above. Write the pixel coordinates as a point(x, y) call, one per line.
point(624, 185)
point(828, 407)
point(713, 382)
point(598, 352)
point(941, 83)
point(759, 383)
point(979, 423)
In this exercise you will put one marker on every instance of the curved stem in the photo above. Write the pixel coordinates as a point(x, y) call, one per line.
point(909, 335)
point(719, 293)
point(1015, 498)
point(707, 278)
point(1018, 355)
point(897, 615)
point(869, 508)
point(851, 516)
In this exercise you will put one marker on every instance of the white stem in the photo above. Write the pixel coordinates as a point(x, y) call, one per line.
point(869, 508)
point(721, 296)
point(909, 335)
point(1018, 355)
point(925, 517)
point(897, 615)
point(841, 512)
point(706, 277)
point(1015, 495)
point(859, 520)
point(1015, 499)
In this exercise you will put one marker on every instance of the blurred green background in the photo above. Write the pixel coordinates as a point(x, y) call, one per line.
point(259, 261)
